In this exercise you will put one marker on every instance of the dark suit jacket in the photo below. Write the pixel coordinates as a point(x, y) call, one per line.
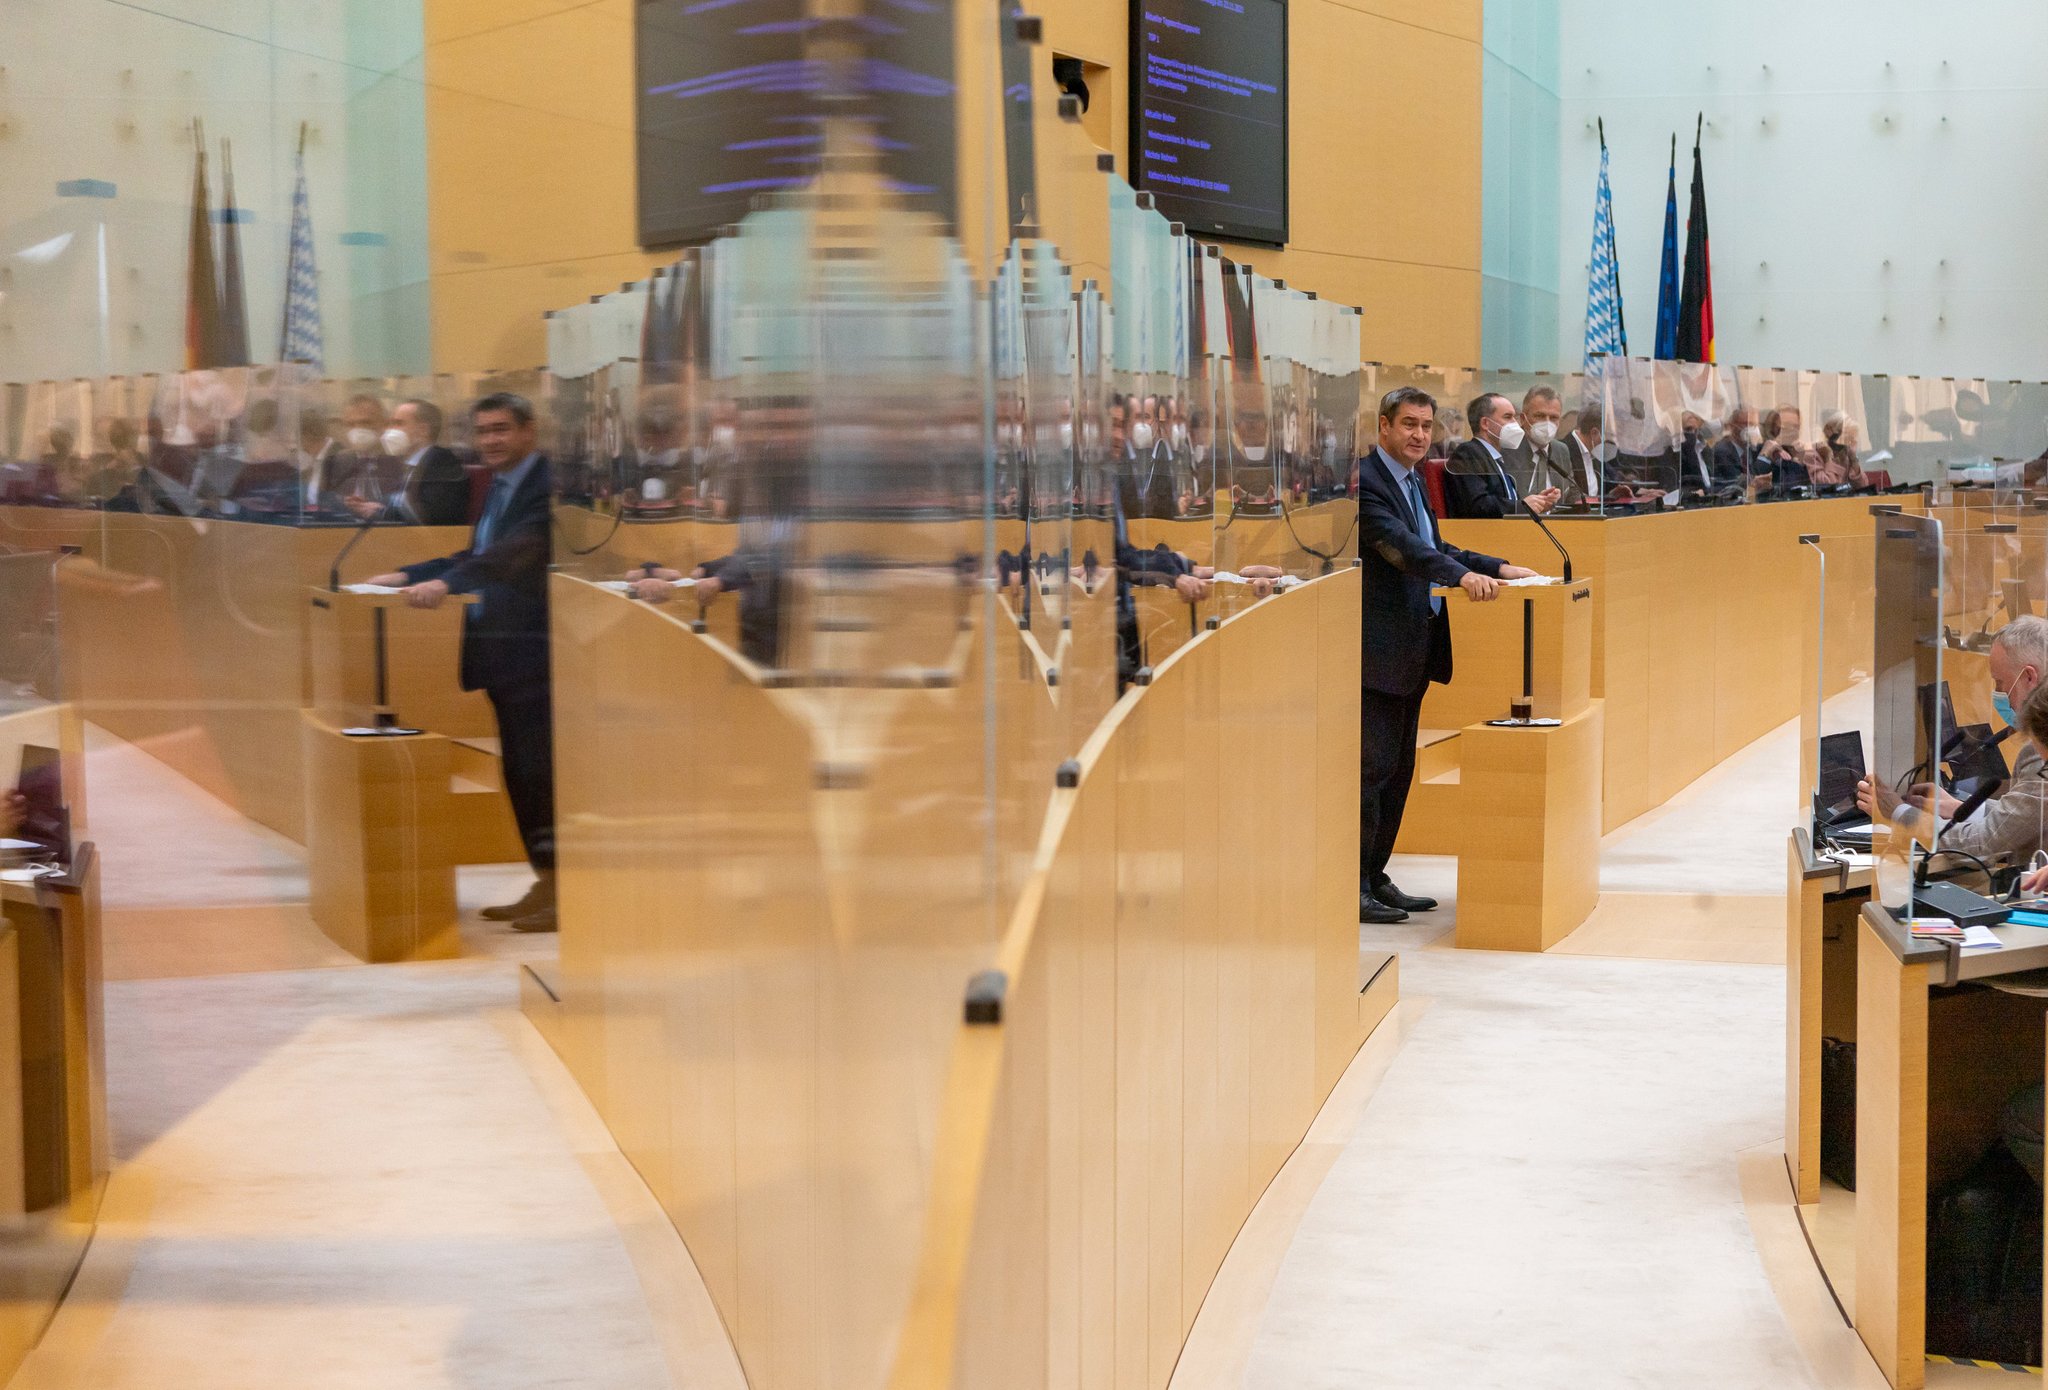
point(1735, 461)
point(437, 489)
point(1473, 486)
point(1552, 468)
point(505, 640)
point(1407, 644)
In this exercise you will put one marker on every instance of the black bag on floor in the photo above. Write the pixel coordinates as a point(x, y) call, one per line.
point(1838, 1111)
point(1984, 1264)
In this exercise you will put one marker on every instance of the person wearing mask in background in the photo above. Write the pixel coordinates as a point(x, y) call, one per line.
point(1405, 634)
point(1790, 461)
point(1478, 482)
point(505, 633)
point(1588, 457)
point(1146, 472)
point(114, 473)
point(1736, 453)
point(1544, 458)
point(430, 488)
point(1694, 473)
point(358, 468)
point(2008, 828)
point(661, 475)
point(1835, 461)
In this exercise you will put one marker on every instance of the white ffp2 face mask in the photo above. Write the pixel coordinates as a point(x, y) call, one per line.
point(397, 442)
point(1141, 436)
point(1543, 432)
point(362, 439)
point(1511, 435)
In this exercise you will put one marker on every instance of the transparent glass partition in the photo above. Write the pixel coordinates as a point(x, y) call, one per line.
point(1836, 685)
point(1909, 724)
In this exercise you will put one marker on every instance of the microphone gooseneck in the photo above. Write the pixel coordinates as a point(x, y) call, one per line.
point(362, 530)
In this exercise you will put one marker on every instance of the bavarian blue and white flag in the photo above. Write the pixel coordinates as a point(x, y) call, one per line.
point(1605, 331)
point(301, 340)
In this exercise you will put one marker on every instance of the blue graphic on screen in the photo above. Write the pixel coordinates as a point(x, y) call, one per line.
point(1209, 114)
point(728, 104)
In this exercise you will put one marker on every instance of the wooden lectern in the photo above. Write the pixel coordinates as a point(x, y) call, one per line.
point(1520, 807)
point(388, 817)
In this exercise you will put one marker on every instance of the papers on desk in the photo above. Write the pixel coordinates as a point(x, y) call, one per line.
point(1945, 929)
point(1935, 929)
point(28, 873)
point(370, 589)
point(1285, 581)
point(1534, 581)
point(625, 586)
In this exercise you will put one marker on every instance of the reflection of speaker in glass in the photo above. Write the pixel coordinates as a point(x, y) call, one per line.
point(1067, 73)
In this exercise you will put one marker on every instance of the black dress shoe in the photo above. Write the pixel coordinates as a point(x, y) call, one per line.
point(538, 898)
point(1407, 902)
point(1372, 910)
point(543, 920)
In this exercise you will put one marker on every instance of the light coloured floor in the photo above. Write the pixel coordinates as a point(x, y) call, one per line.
point(1545, 1186)
point(345, 1175)
point(335, 1175)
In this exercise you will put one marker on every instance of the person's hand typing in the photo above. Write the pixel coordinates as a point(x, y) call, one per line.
point(427, 595)
point(1945, 805)
point(2033, 881)
point(1479, 588)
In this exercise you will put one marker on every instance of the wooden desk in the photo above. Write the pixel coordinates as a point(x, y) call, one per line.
point(1823, 898)
point(1935, 1064)
point(1698, 628)
point(1520, 808)
point(1529, 860)
point(191, 639)
point(53, 1106)
point(389, 818)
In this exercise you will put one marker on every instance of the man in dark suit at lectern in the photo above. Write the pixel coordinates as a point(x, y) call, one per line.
point(1406, 634)
point(505, 633)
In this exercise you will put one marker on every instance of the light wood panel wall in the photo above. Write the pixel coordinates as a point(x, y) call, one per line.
point(530, 166)
point(763, 972)
point(192, 640)
point(1700, 627)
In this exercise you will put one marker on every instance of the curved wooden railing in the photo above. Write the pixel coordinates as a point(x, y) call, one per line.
point(766, 943)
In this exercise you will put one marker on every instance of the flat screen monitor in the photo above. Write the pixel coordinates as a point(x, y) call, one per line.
point(44, 820)
point(730, 98)
point(1841, 768)
point(1209, 114)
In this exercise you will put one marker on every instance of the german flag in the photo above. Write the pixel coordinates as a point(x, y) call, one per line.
point(1696, 299)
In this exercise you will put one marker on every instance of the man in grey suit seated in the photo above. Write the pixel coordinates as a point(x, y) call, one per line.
point(1544, 459)
point(2009, 827)
point(1483, 478)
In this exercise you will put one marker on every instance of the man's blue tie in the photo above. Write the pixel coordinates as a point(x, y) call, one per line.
point(485, 524)
point(1420, 507)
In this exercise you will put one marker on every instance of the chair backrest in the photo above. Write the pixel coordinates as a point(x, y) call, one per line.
point(1880, 479)
point(1433, 484)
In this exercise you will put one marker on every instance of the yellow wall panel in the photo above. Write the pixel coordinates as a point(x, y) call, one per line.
point(531, 165)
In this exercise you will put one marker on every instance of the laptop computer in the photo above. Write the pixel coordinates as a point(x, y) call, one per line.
point(1836, 816)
